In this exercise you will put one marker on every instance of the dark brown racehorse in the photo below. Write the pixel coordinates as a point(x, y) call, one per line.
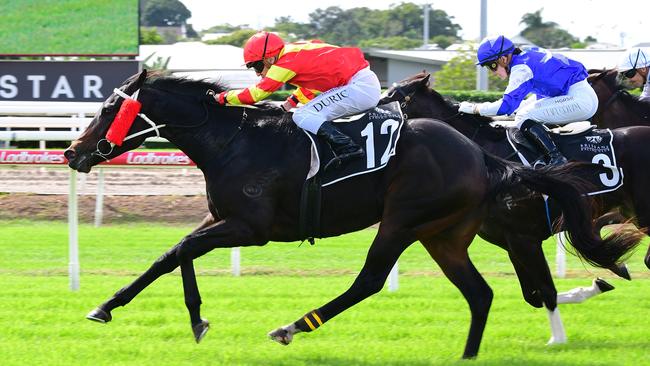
point(435, 190)
point(616, 107)
point(520, 224)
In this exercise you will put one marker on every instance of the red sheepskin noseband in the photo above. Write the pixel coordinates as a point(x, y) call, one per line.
point(123, 121)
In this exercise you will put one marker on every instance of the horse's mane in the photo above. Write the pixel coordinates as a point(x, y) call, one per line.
point(193, 88)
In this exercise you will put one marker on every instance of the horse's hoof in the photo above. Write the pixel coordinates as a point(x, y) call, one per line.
point(281, 336)
point(621, 271)
point(200, 330)
point(603, 285)
point(647, 261)
point(99, 315)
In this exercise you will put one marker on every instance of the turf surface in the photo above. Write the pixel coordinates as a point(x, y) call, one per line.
point(424, 323)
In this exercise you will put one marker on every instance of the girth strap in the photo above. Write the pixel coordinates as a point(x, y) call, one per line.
point(310, 209)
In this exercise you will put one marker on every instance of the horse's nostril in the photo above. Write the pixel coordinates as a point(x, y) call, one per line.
point(69, 154)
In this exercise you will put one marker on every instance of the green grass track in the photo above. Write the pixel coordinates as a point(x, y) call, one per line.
point(424, 323)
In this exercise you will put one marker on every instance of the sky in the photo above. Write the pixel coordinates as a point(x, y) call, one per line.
point(604, 20)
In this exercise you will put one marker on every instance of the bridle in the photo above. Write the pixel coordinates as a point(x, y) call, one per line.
point(110, 145)
point(104, 147)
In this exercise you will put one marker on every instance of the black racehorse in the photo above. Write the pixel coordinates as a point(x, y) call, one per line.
point(520, 225)
point(435, 190)
point(616, 106)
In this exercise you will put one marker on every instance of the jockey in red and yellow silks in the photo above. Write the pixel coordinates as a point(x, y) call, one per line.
point(331, 82)
point(313, 67)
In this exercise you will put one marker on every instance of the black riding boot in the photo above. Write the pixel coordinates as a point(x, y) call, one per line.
point(344, 148)
point(538, 134)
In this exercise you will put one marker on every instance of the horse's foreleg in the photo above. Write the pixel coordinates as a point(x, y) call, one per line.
point(165, 264)
point(383, 254)
point(224, 234)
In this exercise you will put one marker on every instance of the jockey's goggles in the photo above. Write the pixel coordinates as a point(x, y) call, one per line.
point(629, 73)
point(492, 65)
point(258, 66)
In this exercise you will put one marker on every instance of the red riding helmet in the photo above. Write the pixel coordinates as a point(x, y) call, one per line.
point(261, 45)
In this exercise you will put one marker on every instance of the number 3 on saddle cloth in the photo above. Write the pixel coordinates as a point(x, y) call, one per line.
point(585, 144)
point(377, 131)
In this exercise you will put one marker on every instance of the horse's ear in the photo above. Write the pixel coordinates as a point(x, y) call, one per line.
point(136, 82)
point(141, 78)
point(427, 80)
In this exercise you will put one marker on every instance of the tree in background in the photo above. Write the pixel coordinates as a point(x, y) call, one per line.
point(225, 28)
point(341, 27)
point(390, 43)
point(150, 36)
point(587, 41)
point(363, 26)
point(545, 34)
point(161, 13)
point(460, 74)
point(292, 30)
point(444, 41)
point(236, 38)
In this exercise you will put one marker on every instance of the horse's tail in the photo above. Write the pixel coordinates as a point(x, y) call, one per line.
point(565, 187)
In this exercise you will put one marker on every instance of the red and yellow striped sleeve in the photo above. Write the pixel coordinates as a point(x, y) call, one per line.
point(302, 95)
point(275, 78)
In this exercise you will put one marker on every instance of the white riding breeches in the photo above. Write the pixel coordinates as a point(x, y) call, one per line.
point(362, 92)
point(580, 103)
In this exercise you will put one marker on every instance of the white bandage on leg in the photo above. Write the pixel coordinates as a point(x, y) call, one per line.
point(578, 295)
point(558, 335)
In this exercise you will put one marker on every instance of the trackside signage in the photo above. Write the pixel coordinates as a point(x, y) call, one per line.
point(63, 81)
point(133, 158)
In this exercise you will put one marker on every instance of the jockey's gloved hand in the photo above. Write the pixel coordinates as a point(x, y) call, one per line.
point(221, 98)
point(467, 107)
point(286, 106)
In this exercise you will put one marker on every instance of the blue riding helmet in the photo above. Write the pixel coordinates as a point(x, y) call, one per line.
point(492, 48)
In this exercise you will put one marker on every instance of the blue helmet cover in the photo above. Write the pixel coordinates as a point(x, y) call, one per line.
point(491, 48)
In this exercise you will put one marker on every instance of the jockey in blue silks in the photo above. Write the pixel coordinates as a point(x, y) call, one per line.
point(561, 93)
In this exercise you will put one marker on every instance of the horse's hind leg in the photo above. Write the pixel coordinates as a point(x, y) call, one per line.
point(384, 251)
point(455, 263)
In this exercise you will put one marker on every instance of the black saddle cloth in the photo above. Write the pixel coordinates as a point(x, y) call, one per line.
point(377, 131)
point(592, 146)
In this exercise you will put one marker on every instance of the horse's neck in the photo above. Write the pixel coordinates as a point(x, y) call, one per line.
point(465, 125)
point(200, 141)
point(484, 135)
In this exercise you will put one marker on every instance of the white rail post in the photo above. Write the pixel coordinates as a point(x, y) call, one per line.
point(393, 280)
point(99, 198)
point(235, 261)
point(41, 144)
point(73, 233)
point(560, 255)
